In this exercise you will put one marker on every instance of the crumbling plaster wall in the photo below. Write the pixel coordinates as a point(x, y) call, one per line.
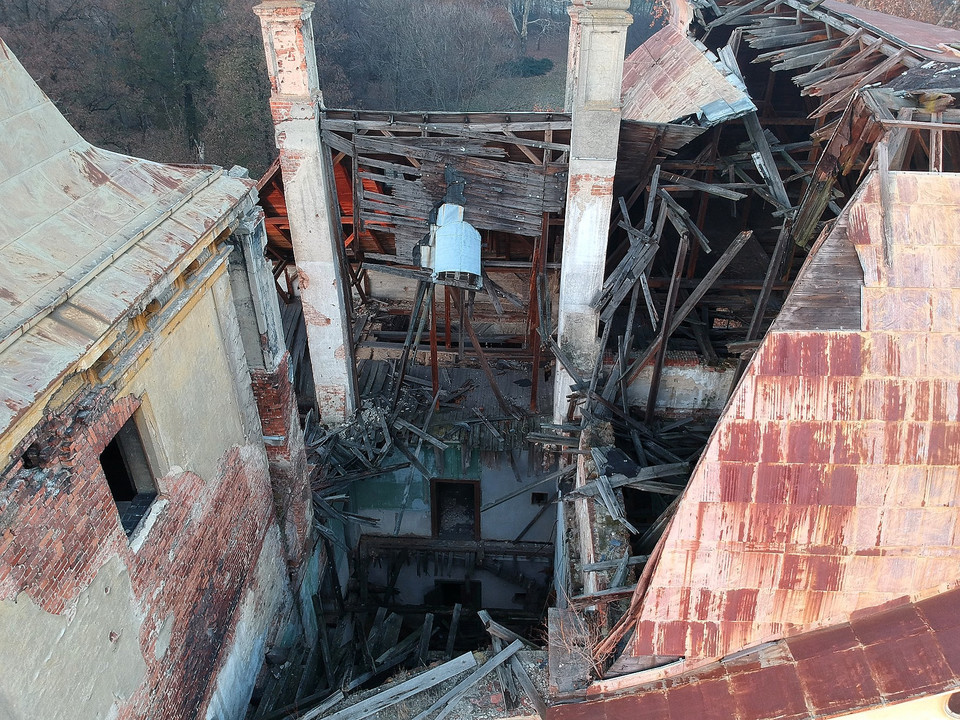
point(194, 599)
point(688, 385)
point(381, 497)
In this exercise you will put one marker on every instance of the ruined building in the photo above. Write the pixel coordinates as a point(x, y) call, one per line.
point(155, 518)
point(666, 382)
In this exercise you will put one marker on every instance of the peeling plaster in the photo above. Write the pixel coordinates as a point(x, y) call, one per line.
point(56, 658)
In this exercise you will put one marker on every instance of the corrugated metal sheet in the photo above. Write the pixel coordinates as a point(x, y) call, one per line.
point(84, 235)
point(671, 77)
point(879, 659)
point(831, 483)
point(457, 244)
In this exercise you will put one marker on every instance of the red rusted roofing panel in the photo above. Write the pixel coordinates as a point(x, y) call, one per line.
point(85, 236)
point(830, 484)
point(670, 77)
point(887, 656)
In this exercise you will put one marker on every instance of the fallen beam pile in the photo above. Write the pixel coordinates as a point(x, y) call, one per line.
point(515, 681)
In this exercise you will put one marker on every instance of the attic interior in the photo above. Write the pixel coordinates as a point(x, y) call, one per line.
point(474, 493)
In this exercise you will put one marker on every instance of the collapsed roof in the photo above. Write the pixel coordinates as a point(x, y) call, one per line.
point(826, 494)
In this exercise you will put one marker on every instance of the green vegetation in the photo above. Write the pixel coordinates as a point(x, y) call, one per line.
point(529, 67)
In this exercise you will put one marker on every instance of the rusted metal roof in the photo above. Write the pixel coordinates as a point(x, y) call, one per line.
point(830, 485)
point(671, 77)
point(919, 36)
point(881, 658)
point(85, 235)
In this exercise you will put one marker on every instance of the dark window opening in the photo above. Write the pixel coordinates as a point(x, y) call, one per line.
point(129, 476)
point(450, 592)
point(456, 510)
point(539, 498)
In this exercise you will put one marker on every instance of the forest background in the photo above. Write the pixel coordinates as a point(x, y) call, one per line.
point(185, 80)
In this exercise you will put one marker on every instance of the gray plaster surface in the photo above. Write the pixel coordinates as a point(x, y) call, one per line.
point(76, 665)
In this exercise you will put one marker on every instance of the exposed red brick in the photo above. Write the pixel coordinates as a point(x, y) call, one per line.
point(62, 526)
point(280, 417)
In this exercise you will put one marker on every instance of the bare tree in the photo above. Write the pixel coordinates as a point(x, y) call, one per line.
point(429, 55)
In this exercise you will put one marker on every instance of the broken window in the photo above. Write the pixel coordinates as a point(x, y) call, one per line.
point(129, 475)
point(456, 509)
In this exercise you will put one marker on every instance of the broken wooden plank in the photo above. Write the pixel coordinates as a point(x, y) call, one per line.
point(456, 693)
point(667, 318)
point(498, 630)
point(536, 518)
point(423, 435)
point(511, 696)
point(614, 564)
point(613, 505)
point(404, 690)
point(481, 356)
point(644, 475)
point(425, 634)
point(766, 162)
point(526, 682)
point(414, 460)
point(489, 425)
point(608, 595)
point(449, 699)
point(695, 297)
point(620, 576)
point(680, 214)
point(529, 486)
point(718, 189)
point(731, 15)
point(454, 624)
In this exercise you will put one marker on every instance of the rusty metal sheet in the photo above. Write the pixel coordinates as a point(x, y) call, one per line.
point(829, 486)
point(886, 656)
point(86, 236)
point(670, 77)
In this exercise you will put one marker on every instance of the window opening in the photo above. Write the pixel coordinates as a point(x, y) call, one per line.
point(450, 592)
point(456, 510)
point(129, 476)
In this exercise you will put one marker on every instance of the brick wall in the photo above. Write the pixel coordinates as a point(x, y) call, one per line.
point(59, 525)
point(279, 417)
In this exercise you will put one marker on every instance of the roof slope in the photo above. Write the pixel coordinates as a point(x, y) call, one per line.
point(670, 77)
point(920, 35)
point(84, 234)
point(890, 656)
point(830, 485)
